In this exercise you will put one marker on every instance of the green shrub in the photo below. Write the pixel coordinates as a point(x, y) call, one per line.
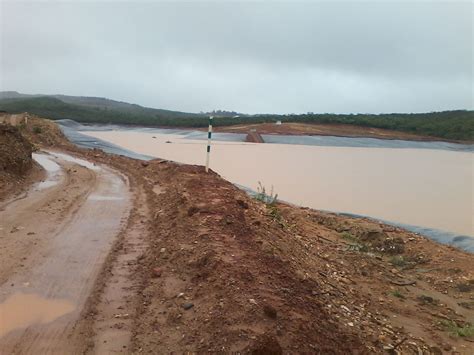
point(37, 130)
point(262, 195)
point(397, 293)
point(425, 299)
point(466, 331)
point(398, 260)
point(348, 236)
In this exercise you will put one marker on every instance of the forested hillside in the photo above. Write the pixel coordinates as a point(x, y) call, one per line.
point(455, 125)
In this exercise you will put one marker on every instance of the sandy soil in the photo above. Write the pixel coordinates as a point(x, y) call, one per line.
point(338, 130)
point(200, 266)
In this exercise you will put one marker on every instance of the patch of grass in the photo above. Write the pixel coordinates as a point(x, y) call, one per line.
point(466, 286)
point(358, 247)
point(466, 331)
point(37, 130)
point(427, 299)
point(265, 197)
point(398, 260)
point(467, 305)
point(349, 237)
point(354, 243)
point(398, 294)
point(274, 213)
point(270, 199)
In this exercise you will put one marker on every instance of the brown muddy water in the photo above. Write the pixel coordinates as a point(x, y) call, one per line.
point(421, 187)
point(21, 310)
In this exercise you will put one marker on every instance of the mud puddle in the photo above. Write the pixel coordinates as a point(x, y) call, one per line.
point(78, 161)
point(104, 198)
point(23, 310)
point(52, 169)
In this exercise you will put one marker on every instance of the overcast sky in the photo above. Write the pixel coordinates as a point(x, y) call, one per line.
point(245, 56)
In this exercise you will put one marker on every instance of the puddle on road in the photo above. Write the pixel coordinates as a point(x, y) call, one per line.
point(23, 310)
point(49, 165)
point(78, 161)
point(52, 168)
point(104, 198)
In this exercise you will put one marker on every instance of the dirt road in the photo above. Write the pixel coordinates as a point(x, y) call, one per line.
point(53, 242)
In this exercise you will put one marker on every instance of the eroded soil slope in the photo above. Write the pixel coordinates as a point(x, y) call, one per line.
point(15, 159)
point(44, 133)
point(17, 143)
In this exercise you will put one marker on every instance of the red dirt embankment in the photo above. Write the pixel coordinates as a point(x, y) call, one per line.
point(15, 159)
point(338, 130)
point(254, 137)
point(17, 143)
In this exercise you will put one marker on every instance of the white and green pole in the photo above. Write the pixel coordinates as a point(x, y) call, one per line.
point(209, 134)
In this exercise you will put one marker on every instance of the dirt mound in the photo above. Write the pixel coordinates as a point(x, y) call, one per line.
point(44, 133)
point(15, 158)
point(15, 151)
point(222, 285)
point(17, 142)
point(254, 137)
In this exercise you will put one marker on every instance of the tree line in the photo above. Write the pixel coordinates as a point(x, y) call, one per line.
point(454, 125)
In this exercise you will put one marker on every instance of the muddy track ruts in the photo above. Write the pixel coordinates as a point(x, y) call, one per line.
point(53, 243)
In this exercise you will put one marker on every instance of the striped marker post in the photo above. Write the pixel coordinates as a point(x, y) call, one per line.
point(209, 134)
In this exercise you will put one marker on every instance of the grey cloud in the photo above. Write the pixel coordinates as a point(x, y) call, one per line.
point(251, 57)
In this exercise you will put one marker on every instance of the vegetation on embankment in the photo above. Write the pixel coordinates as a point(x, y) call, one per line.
point(15, 151)
point(17, 143)
point(453, 125)
point(15, 159)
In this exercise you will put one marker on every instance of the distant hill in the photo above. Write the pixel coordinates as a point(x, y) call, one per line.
point(95, 102)
point(453, 125)
point(15, 95)
point(91, 109)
